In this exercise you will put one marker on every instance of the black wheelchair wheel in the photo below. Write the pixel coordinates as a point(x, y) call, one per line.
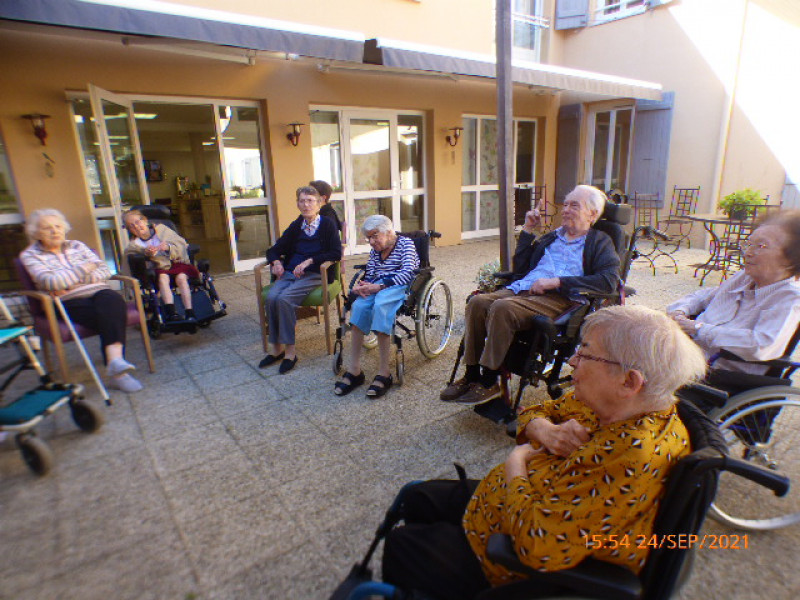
point(760, 426)
point(86, 415)
point(434, 318)
point(36, 454)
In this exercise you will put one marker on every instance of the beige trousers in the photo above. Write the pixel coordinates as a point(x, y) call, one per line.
point(492, 319)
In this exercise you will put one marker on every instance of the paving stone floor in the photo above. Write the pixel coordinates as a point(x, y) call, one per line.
point(224, 481)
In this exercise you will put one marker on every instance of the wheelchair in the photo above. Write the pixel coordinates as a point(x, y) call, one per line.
point(759, 416)
point(425, 315)
point(539, 354)
point(205, 301)
point(688, 494)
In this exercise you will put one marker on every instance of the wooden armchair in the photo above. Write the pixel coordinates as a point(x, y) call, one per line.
point(47, 326)
point(318, 299)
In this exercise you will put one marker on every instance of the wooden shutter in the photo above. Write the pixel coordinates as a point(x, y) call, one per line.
point(571, 13)
point(568, 149)
point(651, 134)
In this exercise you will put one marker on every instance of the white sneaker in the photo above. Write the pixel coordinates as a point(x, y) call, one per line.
point(126, 383)
point(118, 366)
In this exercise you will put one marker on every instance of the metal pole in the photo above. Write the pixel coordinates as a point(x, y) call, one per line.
point(65, 317)
point(505, 121)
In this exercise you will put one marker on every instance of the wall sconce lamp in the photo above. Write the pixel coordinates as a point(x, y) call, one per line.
point(294, 135)
point(37, 122)
point(453, 139)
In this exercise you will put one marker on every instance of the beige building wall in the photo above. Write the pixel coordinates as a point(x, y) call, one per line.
point(40, 68)
point(458, 24)
point(727, 62)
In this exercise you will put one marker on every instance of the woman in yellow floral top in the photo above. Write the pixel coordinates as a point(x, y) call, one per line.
point(588, 466)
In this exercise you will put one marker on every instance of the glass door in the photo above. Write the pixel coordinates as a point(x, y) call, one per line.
point(374, 160)
point(121, 168)
point(608, 148)
point(246, 203)
point(372, 180)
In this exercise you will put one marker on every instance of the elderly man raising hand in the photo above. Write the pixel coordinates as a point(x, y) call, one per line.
point(571, 257)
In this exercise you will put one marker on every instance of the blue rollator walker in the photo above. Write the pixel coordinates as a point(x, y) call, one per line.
point(428, 304)
point(26, 412)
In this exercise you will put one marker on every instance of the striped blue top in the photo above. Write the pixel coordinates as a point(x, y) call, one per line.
point(399, 267)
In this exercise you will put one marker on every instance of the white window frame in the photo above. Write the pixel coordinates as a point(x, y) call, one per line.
point(478, 187)
point(592, 113)
point(539, 23)
point(610, 10)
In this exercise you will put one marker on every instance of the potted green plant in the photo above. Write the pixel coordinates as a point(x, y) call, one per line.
point(733, 204)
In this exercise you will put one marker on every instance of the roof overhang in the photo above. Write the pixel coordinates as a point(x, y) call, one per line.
point(404, 55)
point(176, 21)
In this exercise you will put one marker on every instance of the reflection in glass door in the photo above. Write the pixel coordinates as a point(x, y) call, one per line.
point(371, 168)
point(383, 167)
point(120, 168)
point(608, 148)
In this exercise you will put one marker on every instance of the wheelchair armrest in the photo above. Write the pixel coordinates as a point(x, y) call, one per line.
point(764, 477)
point(192, 250)
point(783, 362)
point(504, 275)
point(596, 578)
point(581, 295)
point(716, 396)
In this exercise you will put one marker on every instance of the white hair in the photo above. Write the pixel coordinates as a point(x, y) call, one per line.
point(650, 342)
point(591, 198)
point(377, 223)
point(32, 223)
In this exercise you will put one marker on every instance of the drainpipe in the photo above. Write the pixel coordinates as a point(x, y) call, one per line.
point(727, 115)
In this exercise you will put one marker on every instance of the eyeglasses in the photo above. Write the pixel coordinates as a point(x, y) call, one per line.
point(756, 246)
point(372, 236)
point(579, 356)
point(307, 201)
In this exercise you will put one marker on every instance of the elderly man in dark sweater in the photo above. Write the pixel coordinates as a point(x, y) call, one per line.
point(573, 256)
point(295, 259)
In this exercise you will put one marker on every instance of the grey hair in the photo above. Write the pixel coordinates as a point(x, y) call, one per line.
point(377, 223)
point(591, 198)
point(32, 223)
point(650, 342)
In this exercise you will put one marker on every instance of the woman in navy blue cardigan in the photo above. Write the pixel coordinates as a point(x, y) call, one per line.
point(294, 260)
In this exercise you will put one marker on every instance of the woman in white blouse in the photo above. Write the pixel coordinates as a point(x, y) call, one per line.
point(754, 313)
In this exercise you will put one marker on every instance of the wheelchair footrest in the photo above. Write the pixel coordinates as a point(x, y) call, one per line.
point(495, 410)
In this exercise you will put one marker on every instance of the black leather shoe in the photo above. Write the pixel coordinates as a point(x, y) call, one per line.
point(269, 360)
point(287, 365)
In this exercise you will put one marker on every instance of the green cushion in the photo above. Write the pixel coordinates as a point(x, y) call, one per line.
point(314, 297)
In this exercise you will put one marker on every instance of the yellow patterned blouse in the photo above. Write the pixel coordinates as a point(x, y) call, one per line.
point(610, 486)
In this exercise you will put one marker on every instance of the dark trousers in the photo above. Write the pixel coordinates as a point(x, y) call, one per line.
point(430, 553)
point(105, 312)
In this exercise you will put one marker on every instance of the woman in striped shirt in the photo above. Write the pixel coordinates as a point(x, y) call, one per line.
point(70, 270)
point(392, 264)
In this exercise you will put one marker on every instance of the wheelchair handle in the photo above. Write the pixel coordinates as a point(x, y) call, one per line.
point(434, 234)
point(757, 474)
